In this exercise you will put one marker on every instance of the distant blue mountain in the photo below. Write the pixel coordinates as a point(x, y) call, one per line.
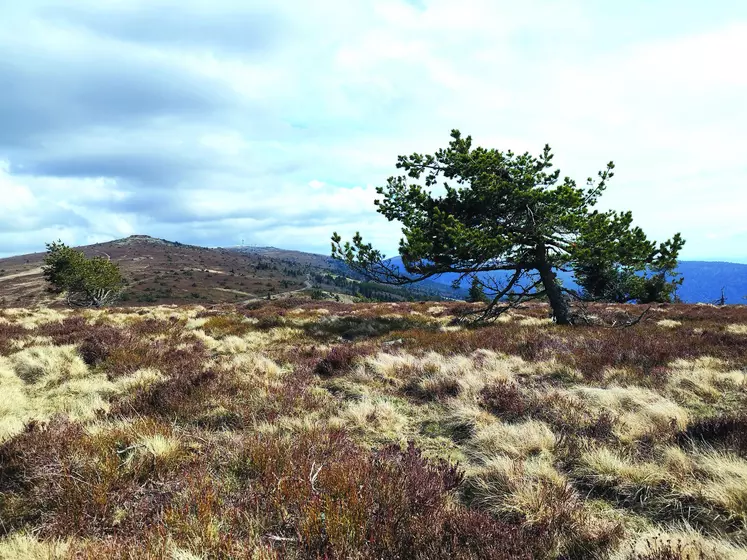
point(703, 280)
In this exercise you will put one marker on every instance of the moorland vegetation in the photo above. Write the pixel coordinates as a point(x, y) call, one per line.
point(315, 429)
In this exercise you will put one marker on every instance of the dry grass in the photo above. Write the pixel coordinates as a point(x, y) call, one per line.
point(737, 329)
point(21, 546)
point(333, 430)
point(40, 382)
point(513, 440)
point(680, 543)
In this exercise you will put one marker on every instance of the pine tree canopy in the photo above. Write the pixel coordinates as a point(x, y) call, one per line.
point(93, 282)
point(471, 210)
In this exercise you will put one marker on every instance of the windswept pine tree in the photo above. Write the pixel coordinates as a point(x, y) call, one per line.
point(475, 211)
point(94, 282)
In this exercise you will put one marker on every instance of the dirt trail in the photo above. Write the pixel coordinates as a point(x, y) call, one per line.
point(20, 274)
point(306, 286)
point(236, 292)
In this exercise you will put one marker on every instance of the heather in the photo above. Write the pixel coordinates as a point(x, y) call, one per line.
point(298, 429)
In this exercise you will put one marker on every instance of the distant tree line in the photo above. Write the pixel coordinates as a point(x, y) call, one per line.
point(371, 290)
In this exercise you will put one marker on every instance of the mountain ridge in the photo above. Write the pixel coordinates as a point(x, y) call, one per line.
point(703, 280)
point(171, 272)
point(162, 271)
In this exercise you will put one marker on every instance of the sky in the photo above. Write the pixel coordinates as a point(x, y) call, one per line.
point(271, 123)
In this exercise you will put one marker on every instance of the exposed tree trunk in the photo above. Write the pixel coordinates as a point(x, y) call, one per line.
point(561, 310)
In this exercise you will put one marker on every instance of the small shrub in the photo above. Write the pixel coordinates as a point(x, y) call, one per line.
point(340, 359)
point(72, 482)
point(729, 431)
point(97, 346)
point(220, 326)
point(8, 333)
point(163, 355)
point(337, 501)
point(505, 400)
point(352, 328)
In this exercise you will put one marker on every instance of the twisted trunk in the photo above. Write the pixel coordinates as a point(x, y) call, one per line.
point(561, 310)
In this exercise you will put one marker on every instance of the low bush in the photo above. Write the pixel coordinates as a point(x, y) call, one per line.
point(341, 358)
point(331, 500)
point(163, 355)
point(219, 326)
point(567, 414)
point(97, 345)
point(506, 400)
point(352, 328)
point(727, 430)
point(66, 481)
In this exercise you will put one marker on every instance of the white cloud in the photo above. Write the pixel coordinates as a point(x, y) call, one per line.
point(273, 121)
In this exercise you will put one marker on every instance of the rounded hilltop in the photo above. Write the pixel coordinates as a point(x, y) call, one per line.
point(143, 239)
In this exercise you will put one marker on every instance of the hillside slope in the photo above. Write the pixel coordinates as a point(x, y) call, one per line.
point(160, 271)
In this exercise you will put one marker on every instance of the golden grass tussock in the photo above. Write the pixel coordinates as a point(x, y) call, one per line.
point(251, 365)
point(463, 419)
point(378, 418)
point(140, 379)
point(678, 542)
point(706, 378)
point(676, 462)
point(669, 323)
point(605, 467)
point(507, 486)
point(546, 368)
point(726, 482)
point(640, 412)
point(232, 344)
point(434, 374)
point(390, 367)
point(737, 329)
point(25, 342)
point(518, 440)
point(177, 553)
point(159, 446)
point(24, 546)
point(51, 364)
point(709, 478)
point(194, 323)
point(41, 381)
point(251, 341)
point(534, 322)
point(534, 493)
point(31, 319)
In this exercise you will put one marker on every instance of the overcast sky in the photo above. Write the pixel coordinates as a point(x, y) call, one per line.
point(214, 121)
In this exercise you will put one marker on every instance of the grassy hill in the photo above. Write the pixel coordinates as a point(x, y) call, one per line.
point(294, 429)
point(165, 272)
point(159, 271)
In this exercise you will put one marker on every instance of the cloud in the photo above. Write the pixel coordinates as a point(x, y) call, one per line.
point(273, 122)
point(244, 28)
